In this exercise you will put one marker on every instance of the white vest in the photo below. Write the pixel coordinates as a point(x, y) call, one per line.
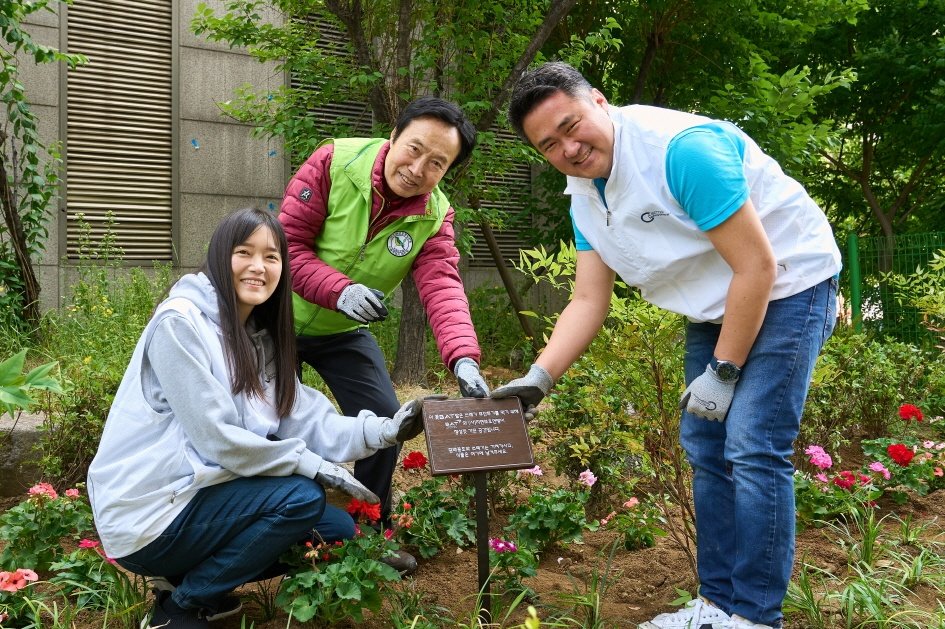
point(653, 244)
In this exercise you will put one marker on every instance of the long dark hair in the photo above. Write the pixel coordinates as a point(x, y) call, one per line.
point(273, 315)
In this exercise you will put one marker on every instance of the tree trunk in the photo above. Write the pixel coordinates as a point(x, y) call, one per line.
point(514, 297)
point(18, 241)
point(410, 366)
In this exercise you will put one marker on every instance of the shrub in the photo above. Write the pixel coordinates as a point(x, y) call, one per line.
point(93, 338)
point(434, 513)
point(32, 530)
point(858, 385)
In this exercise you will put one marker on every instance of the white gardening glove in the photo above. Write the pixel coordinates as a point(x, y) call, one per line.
point(708, 396)
point(406, 424)
point(362, 304)
point(471, 382)
point(337, 477)
point(530, 388)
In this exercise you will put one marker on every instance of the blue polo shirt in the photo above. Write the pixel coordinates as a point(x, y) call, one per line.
point(704, 174)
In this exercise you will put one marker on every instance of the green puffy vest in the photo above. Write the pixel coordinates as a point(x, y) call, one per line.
point(382, 262)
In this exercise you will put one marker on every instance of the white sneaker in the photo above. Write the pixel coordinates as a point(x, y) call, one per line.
point(697, 614)
point(738, 622)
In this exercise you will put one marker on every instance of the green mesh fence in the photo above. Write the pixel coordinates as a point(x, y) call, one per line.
point(879, 307)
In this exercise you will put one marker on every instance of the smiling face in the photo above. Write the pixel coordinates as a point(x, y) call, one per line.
point(420, 156)
point(257, 268)
point(575, 135)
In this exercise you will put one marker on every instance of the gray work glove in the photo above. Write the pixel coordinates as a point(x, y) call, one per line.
point(406, 424)
point(471, 382)
point(708, 396)
point(530, 388)
point(362, 304)
point(337, 477)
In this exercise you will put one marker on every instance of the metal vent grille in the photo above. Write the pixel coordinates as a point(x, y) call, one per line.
point(119, 141)
point(354, 115)
point(512, 188)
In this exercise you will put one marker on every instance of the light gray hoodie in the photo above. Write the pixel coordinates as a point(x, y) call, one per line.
point(176, 426)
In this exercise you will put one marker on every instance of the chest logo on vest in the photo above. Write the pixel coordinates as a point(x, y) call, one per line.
point(649, 217)
point(306, 194)
point(400, 244)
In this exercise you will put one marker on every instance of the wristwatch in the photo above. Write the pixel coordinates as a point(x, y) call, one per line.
point(726, 370)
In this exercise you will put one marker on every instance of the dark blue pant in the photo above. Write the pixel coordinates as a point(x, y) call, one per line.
point(353, 367)
point(234, 532)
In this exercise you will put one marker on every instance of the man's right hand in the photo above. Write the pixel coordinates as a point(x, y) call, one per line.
point(530, 388)
point(337, 477)
point(362, 304)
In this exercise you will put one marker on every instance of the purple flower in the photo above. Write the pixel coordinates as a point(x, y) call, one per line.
point(501, 546)
point(534, 471)
point(587, 477)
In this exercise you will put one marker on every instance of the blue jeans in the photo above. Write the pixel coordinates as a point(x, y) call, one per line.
point(743, 478)
point(234, 532)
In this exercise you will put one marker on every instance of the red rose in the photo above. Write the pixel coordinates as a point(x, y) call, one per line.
point(910, 411)
point(899, 453)
point(415, 461)
point(359, 509)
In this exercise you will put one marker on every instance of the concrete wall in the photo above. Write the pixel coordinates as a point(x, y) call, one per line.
point(231, 169)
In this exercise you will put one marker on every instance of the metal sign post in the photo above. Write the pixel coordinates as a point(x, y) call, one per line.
point(477, 436)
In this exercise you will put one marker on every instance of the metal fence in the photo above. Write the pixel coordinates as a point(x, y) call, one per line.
point(874, 305)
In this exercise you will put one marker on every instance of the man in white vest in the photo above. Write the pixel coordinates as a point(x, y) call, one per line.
point(695, 215)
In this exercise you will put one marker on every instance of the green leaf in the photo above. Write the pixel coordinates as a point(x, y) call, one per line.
point(12, 368)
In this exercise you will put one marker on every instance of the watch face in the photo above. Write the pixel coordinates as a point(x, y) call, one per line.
point(726, 370)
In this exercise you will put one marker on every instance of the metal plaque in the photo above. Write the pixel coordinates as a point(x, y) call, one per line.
point(475, 434)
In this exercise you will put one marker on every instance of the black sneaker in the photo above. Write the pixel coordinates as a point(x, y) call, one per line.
point(224, 607)
point(166, 614)
point(402, 561)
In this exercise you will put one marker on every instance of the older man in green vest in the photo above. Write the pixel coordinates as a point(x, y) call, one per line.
point(359, 215)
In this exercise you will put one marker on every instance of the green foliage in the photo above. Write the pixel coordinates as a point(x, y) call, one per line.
point(819, 501)
point(510, 564)
point(15, 387)
point(923, 473)
point(32, 530)
point(28, 180)
point(95, 582)
point(93, 338)
point(498, 329)
point(340, 587)
point(584, 603)
point(618, 403)
point(780, 109)
point(551, 517)
point(639, 522)
point(885, 167)
point(858, 384)
point(438, 514)
point(925, 291)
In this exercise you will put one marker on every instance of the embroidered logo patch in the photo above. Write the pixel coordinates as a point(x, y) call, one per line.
point(649, 217)
point(399, 244)
point(306, 194)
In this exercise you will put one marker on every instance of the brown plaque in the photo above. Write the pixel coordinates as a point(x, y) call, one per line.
point(474, 435)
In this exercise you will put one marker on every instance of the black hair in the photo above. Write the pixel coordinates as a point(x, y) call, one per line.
point(450, 113)
point(273, 315)
point(538, 85)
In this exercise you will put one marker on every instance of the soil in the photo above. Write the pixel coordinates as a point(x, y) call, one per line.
point(641, 583)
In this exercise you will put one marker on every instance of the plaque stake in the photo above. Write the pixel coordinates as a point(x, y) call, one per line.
point(482, 543)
